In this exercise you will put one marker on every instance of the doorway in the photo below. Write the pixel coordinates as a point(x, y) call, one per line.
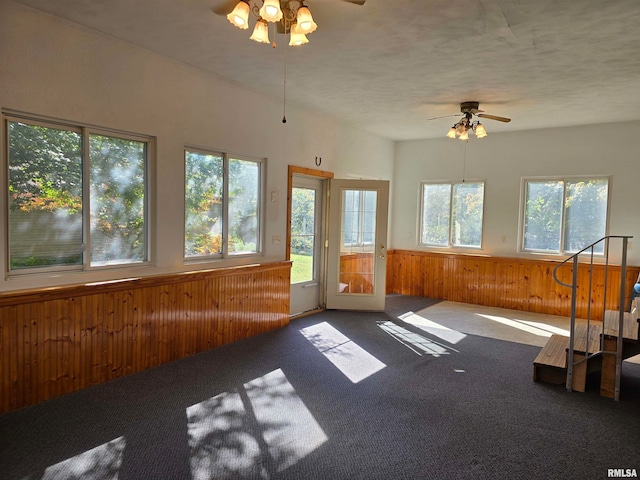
point(305, 244)
point(357, 247)
point(336, 240)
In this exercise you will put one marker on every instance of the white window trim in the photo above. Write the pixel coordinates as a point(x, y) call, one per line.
point(225, 255)
point(450, 245)
point(564, 179)
point(84, 130)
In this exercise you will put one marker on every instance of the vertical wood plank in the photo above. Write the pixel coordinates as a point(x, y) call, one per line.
point(56, 344)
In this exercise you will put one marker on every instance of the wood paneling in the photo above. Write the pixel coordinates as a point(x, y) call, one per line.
point(356, 272)
point(520, 284)
point(58, 340)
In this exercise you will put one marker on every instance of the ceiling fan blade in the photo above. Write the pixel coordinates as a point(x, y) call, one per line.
point(225, 7)
point(445, 116)
point(494, 117)
point(357, 2)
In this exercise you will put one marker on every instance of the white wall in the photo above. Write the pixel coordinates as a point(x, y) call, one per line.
point(502, 160)
point(53, 68)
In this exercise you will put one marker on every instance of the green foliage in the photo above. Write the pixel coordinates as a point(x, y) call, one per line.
point(45, 167)
point(117, 175)
point(543, 214)
point(436, 200)
point(204, 209)
point(302, 220)
point(582, 217)
point(586, 213)
point(468, 199)
point(301, 268)
point(452, 214)
point(40, 261)
point(203, 203)
point(46, 175)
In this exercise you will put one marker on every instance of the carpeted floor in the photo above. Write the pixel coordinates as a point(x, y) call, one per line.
point(337, 395)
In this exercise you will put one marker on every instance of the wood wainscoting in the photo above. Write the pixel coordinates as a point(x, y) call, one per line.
point(520, 284)
point(58, 340)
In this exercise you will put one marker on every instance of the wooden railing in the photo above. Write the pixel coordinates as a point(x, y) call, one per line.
point(58, 340)
point(515, 283)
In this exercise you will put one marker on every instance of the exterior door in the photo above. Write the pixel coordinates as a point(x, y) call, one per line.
point(306, 244)
point(356, 270)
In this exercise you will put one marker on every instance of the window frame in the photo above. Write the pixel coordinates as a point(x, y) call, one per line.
point(85, 131)
point(260, 207)
point(450, 244)
point(564, 179)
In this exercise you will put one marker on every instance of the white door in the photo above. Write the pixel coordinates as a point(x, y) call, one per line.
point(306, 243)
point(356, 270)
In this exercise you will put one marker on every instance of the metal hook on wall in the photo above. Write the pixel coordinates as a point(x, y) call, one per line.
point(318, 161)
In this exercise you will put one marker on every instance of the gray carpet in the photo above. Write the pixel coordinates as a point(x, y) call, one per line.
point(336, 395)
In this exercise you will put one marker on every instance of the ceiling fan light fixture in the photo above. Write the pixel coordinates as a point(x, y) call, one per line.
point(260, 32)
point(305, 20)
point(452, 132)
point(464, 135)
point(270, 11)
point(239, 17)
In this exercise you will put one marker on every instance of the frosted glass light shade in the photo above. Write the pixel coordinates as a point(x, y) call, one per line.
point(239, 17)
point(305, 21)
point(270, 10)
point(260, 32)
point(297, 37)
point(480, 131)
point(452, 133)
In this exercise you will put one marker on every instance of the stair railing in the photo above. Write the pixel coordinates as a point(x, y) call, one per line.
point(571, 363)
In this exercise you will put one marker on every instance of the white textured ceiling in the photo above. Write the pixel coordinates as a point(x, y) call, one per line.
point(391, 65)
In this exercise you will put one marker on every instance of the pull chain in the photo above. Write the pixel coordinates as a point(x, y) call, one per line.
point(284, 89)
point(464, 162)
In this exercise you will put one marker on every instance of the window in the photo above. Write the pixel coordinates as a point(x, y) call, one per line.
point(222, 205)
point(358, 219)
point(451, 214)
point(564, 215)
point(77, 197)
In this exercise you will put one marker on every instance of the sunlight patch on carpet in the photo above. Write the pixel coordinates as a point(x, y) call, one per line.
point(99, 463)
point(429, 326)
point(350, 358)
point(414, 341)
point(528, 327)
point(260, 429)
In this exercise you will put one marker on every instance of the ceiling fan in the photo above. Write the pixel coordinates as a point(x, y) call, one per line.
point(467, 124)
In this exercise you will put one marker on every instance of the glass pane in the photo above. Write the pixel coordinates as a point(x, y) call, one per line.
point(350, 211)
point(303, 212)
point(369, 218)
point(467, 214)
point(543, 214)
point(244, 191)
point(117, 180)
point(585, 214)
point(436, 201)
point(358, 231)
point(203, 204)
point(45, 196)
